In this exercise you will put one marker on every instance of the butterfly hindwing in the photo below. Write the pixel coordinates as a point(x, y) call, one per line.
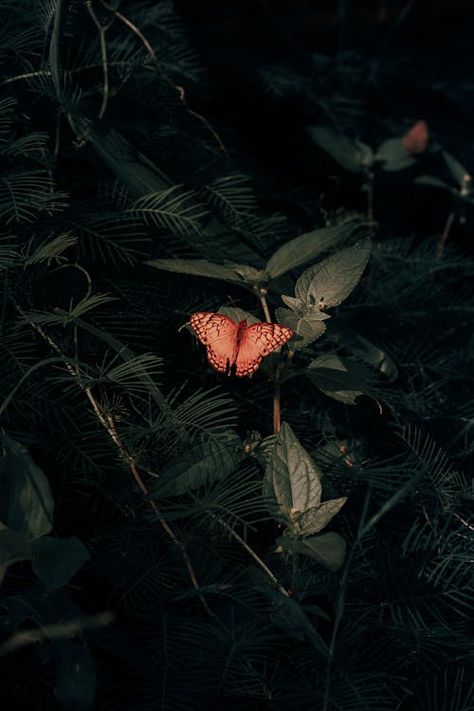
point(259, 340)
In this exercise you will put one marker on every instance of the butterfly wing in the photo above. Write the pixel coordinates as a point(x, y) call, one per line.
point(259, 340)
point(219, 334)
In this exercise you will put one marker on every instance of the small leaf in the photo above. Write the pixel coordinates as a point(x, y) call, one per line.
point(204, 463)
point(56, 560)
point(433, 182)
point(239, 273)
point(26, 502)
point(331, 281)
point(368, 352)
point(459, 172)
point(314, 520)
point(307, 328)
point(351, 154)
point(328, 549)
point(237, 314)
point(292, 479)
point(295, 305)
point(14, 546)
point(343, 380)
point(304, 248)
point(394, 155)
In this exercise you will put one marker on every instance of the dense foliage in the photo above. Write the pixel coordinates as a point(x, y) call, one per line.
point(172, 538)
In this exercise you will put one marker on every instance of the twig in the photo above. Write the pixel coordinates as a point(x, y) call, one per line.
point(102, 29)
point(56, 631)
point(444, 237)
point(276, 405)
point(108, 423)
point(179, 89)
point(256, 558)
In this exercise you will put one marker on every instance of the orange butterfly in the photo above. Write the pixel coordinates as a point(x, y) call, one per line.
point(232, 344)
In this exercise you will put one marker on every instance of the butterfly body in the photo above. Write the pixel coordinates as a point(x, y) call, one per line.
point(236, 346)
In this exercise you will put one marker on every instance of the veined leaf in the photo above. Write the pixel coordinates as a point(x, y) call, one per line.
point(368, 352)
point(292, 480)
point(302, 249)
point(351, 154)
point(305, 326)
point(26, 502)
point(314, 520)
point(201, 267)
point(342, 380)
point(328, 549)
point(331, 281)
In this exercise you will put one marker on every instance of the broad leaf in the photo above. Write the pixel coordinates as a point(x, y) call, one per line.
point(457, 170)
point(394, 155)
point(237, 314)
point(307, 327)
point(342, 380)
point(204, 463)
point(314, 520)
point(304, 248)
point(14, 546)
point(56, 560)
point(292, 479)
point(331, 281)
point(26, 502)
point(239, 273)
point(328, 549)
point(351, 154)
point(368, 352)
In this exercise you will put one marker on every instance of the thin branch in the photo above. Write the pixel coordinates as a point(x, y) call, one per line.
point(256, 558)
point(179, 89)
point(444, 237)
point(108, 423)
point(102, 29)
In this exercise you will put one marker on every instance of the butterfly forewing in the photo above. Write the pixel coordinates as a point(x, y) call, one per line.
point(219, 334)
point(257, 341)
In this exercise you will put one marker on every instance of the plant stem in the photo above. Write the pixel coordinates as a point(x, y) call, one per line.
point(256, 558)
point(103, 50)
point(276, 405)
point(444, 237)
point(108, 423)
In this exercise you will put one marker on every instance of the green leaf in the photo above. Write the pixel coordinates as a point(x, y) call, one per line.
point(457, 170)
point(14, 546)
point(328, 549)
point(56, 560)
point(368, 352)
point(331, 281)
point(201, 267)
point(26, 502)
point(292, 480)
point(351, 154)
point(394, 155)
point(307, 327)
point(343, 380)
point(173, 209)
point(314, 520)
point(237, 314)
point(302, 249)
point(203, 463)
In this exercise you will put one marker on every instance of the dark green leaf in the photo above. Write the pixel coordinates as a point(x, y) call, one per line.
point(306, 327)
point(342, 380)
point(328, 549)
point(292, 479)
point(394, 155)
point(351, 154)
point(302, 249)
point(14, 546)
point(56, 560)
point(331, 281)
point(314, 520)
point(368, 352)
point(201, 267)
point(26, 503)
